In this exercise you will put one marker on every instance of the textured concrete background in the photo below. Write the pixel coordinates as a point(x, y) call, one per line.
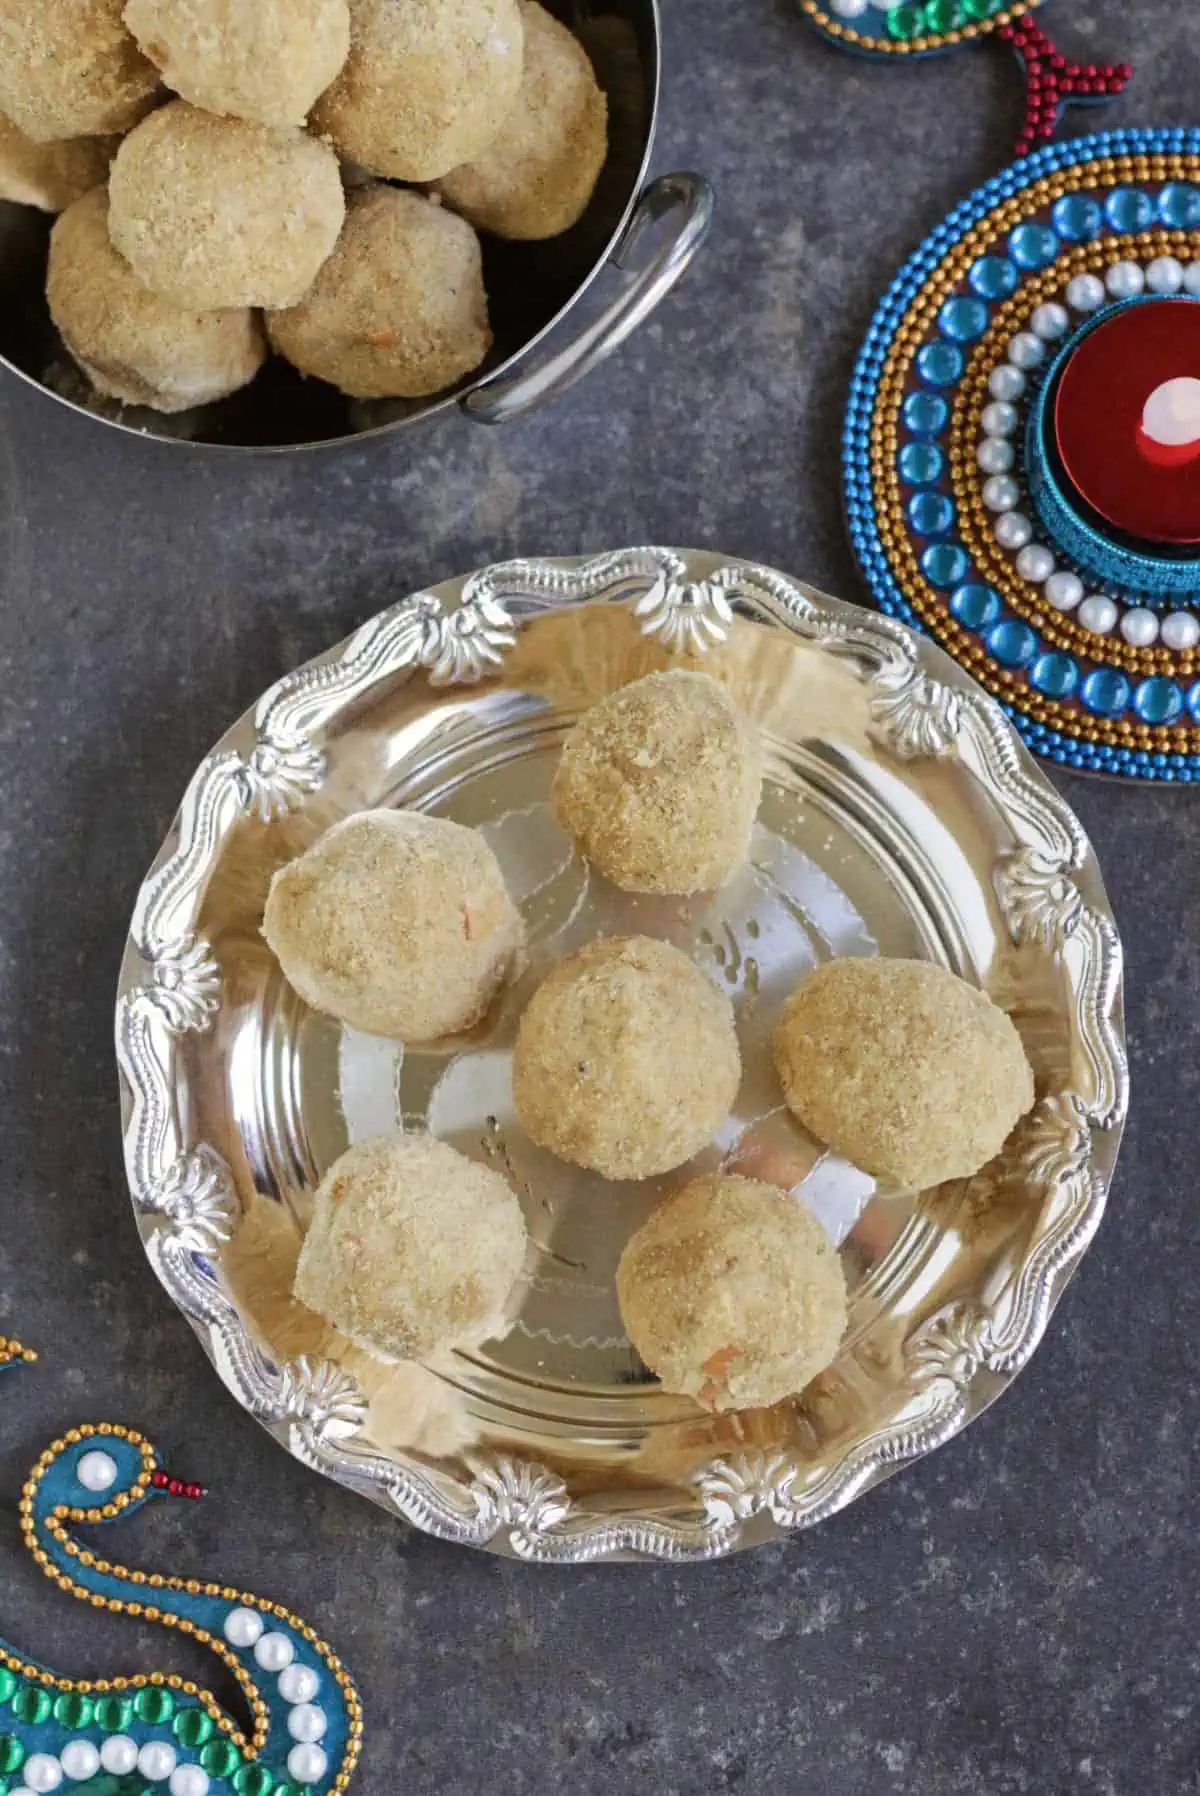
point(1016, 1614)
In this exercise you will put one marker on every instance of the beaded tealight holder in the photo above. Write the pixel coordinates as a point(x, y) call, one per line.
point(158, 1732)
point(1022, 448)
point(891, 28)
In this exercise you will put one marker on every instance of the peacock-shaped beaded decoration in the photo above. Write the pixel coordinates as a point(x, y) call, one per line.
point(906, 28)
point(157, 1732)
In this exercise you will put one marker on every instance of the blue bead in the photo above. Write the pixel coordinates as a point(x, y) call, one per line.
point(1033, 246)
point(994, 277)
point(1179, 205)
point(1013, 643)
point(1158, 700)
point(1129, 209)
point(931, 513)
point(975, 605)
point(1077, 217)
point(920, 462)
point(1055, 674)
point(925, 413)
point(963, 319)
point(1193, 700)
point(1106, 691)
point(940, 364)
point(945, 564)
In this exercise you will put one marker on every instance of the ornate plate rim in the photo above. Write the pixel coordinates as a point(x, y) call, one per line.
point(921, 705)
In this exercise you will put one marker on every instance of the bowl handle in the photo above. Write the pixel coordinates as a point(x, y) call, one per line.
point(688, 201)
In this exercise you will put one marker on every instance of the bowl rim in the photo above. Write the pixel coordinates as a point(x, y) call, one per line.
point(439, 404)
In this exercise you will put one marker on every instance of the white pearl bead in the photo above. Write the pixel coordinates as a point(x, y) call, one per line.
point(156, 1761)
point(243, 1627)
point(1001, 492)
point(41, 1772)
point(307, 1722)
point(1035, 562)
point(1125, 279)
point(1164, 274)
point(1191, 278)
point(1012, 530)
point(1064, 590)
point(299, 1683)
point(308, 1763)
point(97, 1471)
point(189, 1780)
point(1006, 382)
point(1098, 614)
point(849, 9)
point(118, 1754)
point(999, 419)
point(1050, 321)
point(1139, 627)
point(79, 1759)
point(1085, 293)
point(274, 1651)
point(1026, 350)
point(995, 456)
point(1180, 630)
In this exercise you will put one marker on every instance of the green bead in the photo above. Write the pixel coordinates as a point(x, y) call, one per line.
point(114, 1713)
point(8, 1683)
point(944, 15)
point(154, 1704)
point(220, 1758)
point(906, 21)
point(288, 1790)
point(73, 1710)
point(978, 9)
point(253, 1780)
point(32, 1705)
point(12, 1753)
point(192, 1727)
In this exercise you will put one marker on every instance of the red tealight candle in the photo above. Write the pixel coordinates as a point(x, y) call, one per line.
point(1127, 421)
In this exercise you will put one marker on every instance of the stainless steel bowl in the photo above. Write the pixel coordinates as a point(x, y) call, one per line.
point(532, 287)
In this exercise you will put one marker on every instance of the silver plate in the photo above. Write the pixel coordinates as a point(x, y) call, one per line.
point(900, 816)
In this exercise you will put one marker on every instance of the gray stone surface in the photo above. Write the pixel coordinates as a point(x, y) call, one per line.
point(1016, 1614)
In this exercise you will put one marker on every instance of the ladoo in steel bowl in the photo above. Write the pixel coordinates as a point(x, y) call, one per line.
point(533, 288)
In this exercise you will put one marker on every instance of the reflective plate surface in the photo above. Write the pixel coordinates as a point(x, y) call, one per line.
point(900, 816)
